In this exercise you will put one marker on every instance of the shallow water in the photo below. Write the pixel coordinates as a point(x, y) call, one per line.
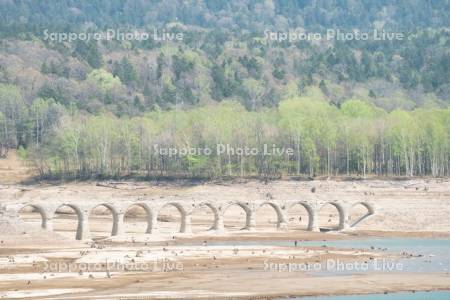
point(442, 295)
point(428, 255)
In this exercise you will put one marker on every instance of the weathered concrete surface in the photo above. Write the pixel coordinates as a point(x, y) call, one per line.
point(152, 206)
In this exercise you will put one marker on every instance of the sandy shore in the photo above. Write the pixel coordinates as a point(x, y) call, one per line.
point(226, 285)
point(189, 268)
point(179, 271)
point(203, 265)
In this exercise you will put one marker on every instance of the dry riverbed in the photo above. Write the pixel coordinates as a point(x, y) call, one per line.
point(236, 264)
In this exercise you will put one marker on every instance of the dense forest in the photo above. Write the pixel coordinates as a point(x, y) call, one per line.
point(86, 108)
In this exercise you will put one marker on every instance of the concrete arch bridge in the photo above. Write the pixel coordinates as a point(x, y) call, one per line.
point(186, 207)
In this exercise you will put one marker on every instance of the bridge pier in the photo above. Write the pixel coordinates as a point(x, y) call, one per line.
point(343, 219)
point(186, 224)
point(250, 222)
point(118, 224)
point(83, 231)
point(47, 223)
point(282, 223)
point(82, 210)
point(152, 225)
point(282, 226)
point(218, 226)
point(313, 224)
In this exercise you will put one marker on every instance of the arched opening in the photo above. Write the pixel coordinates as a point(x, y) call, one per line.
point(330, 217)
point(33, 216)
point(203, 218)
point(137, 219)
point(170, 218)
point(267, 217)
point(235, 217)
point(101, 221)
point(299, 216)
point(358, 212)
point(67, 221)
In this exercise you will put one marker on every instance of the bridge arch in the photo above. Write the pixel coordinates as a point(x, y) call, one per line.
point(115, 216)
point(185, 219)
point(80, 218)
point(243, 205)
point(215, 212)
point(341, 213)
point(150, 215)
point(369, 208)
point(309, 210)
point(45, 224)
point(276, 208)
point(186, 209)
point(249, 218)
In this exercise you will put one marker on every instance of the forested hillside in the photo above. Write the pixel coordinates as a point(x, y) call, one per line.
point(86, 108)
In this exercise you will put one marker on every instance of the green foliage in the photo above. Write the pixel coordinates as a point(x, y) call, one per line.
point(125, 71)
point(278, 73)
point(224, 83)
point(13, 116)
point(360, 109)
point(252, 65)
point(181, 65)
point(58, 69)
point(22, 153)
point(356, 139)
point(214, 58)
point(223, 87)
point(89, 52)
point(103, 79)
